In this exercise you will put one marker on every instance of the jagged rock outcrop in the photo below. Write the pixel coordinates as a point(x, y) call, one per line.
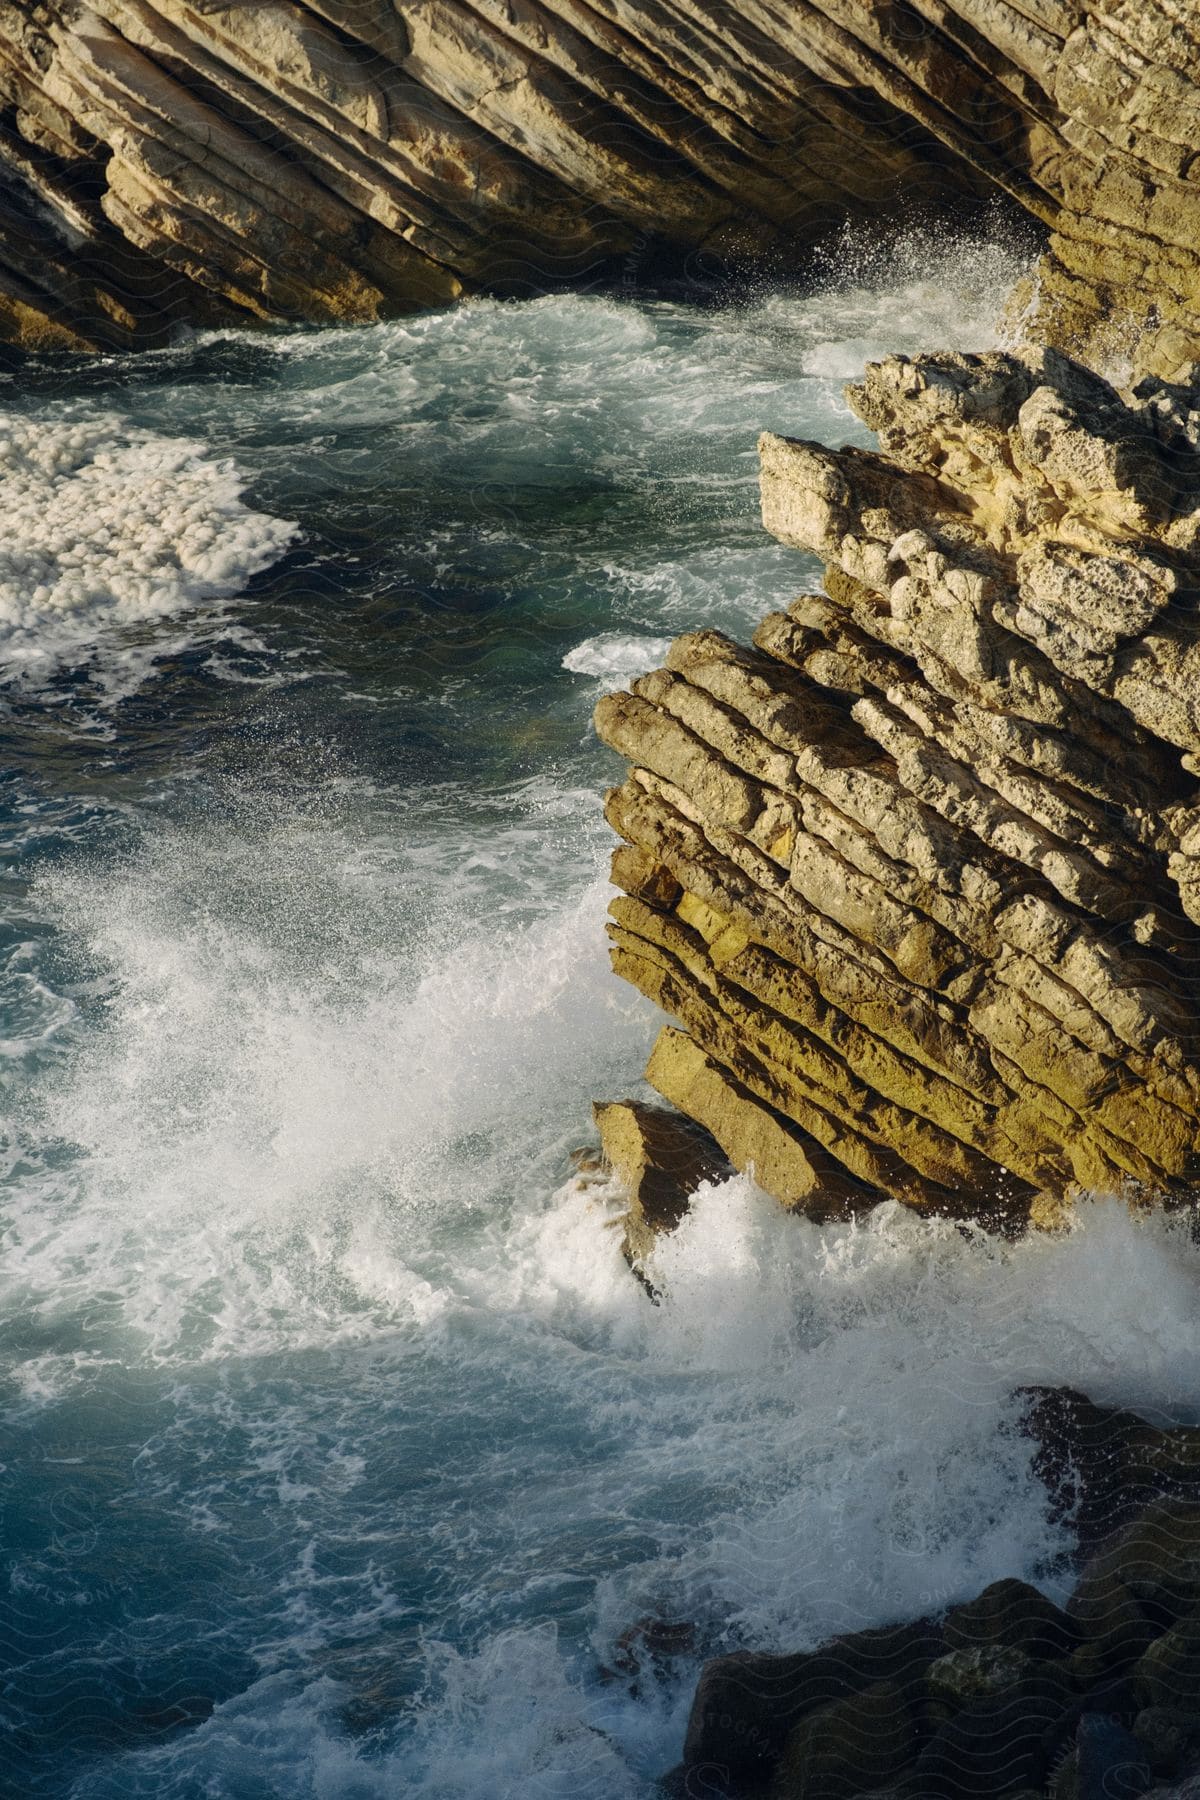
point(189, 159)
point(919, 873)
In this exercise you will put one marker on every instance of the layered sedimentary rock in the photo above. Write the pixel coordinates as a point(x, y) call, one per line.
point(188, 159)
point(918, 874)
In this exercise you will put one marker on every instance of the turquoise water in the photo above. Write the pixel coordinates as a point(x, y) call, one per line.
point(339, 1447)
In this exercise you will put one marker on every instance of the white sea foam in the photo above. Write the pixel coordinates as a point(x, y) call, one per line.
point(616, 656)
point(109, 525)
point(308, 1041)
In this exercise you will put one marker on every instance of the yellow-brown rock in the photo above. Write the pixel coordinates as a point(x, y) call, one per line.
point(190, 159)
point(924, 859)
point(660, 1158)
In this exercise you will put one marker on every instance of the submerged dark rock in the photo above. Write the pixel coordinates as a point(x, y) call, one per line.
point(647, 1651)
point(1015, 1615)
point(1108, 1763)
point(852, 1746)
point(1102, 1463)
point(746, 1704)
point(992, 1747)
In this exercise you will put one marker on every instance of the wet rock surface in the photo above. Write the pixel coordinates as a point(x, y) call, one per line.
point(660, 1158)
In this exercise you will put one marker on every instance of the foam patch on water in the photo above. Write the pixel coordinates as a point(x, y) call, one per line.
point(522, 1728)
point(616, 656)
point(33, 1013)
point(108, 525)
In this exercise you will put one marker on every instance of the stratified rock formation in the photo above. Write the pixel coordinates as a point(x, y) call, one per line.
point(919, 874)
point(163, 160)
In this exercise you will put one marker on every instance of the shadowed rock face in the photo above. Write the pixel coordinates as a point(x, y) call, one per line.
point(1007, 1694)
point(919, 873)
point(168, 159)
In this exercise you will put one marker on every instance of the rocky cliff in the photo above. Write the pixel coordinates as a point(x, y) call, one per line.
point(919, 873)
point(187, 159)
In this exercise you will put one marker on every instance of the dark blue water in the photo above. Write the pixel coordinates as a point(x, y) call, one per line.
point(339, 1448)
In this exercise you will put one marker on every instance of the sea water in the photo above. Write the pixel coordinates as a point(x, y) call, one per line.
point(340, 1449)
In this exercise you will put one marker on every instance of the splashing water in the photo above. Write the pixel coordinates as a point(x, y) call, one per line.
point(340, 1447)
